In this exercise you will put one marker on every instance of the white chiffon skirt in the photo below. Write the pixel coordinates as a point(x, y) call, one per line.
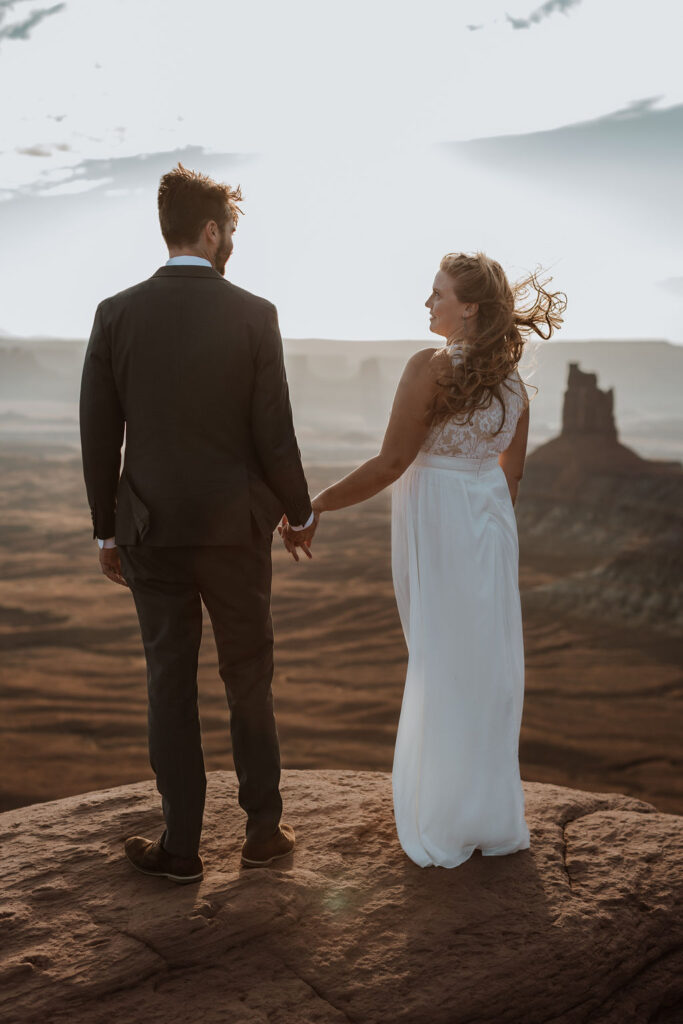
point(455, 562)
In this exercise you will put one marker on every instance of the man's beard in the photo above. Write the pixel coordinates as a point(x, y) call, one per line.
point(222, 257)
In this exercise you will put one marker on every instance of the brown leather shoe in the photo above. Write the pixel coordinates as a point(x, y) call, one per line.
point(152, 859)
point(259, 853)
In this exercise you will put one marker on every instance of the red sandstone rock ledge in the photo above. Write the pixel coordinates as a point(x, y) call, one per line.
point(586, 925)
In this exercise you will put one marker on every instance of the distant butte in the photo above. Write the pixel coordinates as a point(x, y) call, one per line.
point(586, 925)
point(588, 443)
point(585, 498)
point(587, 409)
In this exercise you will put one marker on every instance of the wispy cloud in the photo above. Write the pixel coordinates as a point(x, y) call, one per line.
point(22, 29)
point(40, 150)
point(641, 134)
point(629, 160)
point(7, 5)
point(126, 174)
point(540, 14)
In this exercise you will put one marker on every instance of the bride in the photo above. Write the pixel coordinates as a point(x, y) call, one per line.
point(455, 448)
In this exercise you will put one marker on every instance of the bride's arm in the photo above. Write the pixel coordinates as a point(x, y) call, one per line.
point(404, 435)
point(512, 459)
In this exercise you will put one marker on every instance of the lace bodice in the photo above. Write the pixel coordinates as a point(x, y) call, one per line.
point(473, 440)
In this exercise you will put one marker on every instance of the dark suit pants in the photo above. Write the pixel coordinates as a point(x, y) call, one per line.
point(169, 585)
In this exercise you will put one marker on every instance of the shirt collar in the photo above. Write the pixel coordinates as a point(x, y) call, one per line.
point(187, 261)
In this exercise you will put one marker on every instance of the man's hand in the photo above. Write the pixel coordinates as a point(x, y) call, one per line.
point(294, 539)
point(111, 565)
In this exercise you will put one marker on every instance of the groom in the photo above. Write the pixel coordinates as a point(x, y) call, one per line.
point(192, 367)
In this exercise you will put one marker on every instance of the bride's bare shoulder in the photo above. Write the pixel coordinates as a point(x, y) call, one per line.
point(427, 362)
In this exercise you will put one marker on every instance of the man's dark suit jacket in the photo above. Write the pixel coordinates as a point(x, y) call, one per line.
point(193, 367)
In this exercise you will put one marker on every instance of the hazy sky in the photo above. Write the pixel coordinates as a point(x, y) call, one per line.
point(369, 138)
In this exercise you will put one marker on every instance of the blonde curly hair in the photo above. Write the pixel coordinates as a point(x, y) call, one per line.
point(506, 317)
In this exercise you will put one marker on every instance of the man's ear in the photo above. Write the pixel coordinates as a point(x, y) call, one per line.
point(211, 230)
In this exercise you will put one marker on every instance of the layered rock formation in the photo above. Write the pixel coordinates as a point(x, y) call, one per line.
point(586, 409)
point(588, 444)
point(586, 925)
point(585, 493)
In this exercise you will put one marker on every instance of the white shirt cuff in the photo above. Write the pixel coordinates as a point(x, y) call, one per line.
point(110, 542)
point(306, 524)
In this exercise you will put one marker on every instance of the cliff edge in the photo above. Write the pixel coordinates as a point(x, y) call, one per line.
point(586, 925)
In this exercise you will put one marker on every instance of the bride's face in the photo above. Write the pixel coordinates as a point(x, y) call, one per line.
point(446, 309)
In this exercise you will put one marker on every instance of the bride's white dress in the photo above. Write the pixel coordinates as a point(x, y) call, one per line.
point(455, 562)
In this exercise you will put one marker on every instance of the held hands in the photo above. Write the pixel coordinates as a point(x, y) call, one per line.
point(293, 539)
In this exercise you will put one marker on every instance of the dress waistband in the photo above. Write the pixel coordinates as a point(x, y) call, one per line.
point(458, 462)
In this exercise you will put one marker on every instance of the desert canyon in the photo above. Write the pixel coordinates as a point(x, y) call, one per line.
point(584, 926)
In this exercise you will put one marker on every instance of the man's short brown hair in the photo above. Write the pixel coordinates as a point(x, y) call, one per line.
point(188, 200)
